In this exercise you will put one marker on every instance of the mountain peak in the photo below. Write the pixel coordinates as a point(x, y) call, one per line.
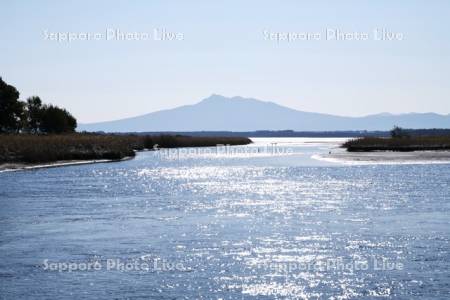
point(219, 99)
point(220, 113)
point(214, 98)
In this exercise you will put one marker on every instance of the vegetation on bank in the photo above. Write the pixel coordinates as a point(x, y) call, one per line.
point(400, 140)
point(29, 148)
point(31, 116)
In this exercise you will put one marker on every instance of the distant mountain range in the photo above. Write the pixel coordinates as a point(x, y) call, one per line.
point(219, 113)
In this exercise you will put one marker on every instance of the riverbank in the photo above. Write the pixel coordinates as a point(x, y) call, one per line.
point(30, 166)
point(342, 156)
point(32, 151)
point(404, 144)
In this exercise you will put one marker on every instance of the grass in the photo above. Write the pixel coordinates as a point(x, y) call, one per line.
point(417, 143)
point(25, 148)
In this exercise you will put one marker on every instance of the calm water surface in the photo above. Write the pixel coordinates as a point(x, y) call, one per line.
point(240, 223)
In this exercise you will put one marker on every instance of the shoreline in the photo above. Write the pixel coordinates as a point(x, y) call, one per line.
point(12, 167)
point(385, 157)
point(400, 142)
point(32, 151)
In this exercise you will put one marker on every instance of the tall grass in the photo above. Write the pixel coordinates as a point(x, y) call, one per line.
point(398, 144)
point(77, 146)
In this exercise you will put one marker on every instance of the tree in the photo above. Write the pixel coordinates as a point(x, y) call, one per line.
point(34, 114)
point(11, 109)
point(398, 132)
point(56, 120)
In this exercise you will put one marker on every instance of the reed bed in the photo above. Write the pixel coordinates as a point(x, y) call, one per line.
point(418, 143)
point(23, 148)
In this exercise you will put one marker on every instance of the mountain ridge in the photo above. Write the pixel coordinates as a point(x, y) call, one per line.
point(219, 113)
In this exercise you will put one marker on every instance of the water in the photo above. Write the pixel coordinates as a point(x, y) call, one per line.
point(248, 224)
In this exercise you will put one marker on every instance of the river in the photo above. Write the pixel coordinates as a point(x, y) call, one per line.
point(263, 221)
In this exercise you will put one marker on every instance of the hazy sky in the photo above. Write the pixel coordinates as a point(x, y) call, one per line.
point(225, 48)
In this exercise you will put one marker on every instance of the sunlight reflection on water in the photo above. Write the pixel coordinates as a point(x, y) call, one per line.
point(243, 227)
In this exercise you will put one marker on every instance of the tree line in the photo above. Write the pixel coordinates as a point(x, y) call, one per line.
point(31, 116)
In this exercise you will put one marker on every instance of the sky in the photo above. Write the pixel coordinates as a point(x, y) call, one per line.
point(320, 56)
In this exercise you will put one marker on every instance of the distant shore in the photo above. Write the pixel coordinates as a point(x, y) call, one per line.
point(399, 144)
point(395, 150)
point(385, 157)
point(26, 151)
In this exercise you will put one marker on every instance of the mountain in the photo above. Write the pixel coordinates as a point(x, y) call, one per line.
point(219, 113)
